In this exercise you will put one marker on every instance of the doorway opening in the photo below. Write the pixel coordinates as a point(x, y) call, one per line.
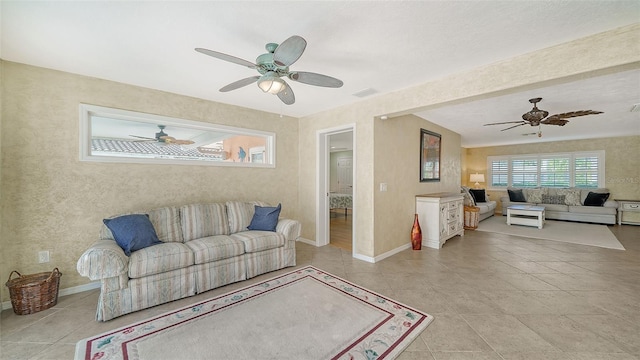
point(336, 188)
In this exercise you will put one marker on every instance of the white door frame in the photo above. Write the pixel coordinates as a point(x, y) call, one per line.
point(322, 184)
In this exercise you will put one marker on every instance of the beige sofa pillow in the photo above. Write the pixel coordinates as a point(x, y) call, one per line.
point(571, 196)
point(535, 195)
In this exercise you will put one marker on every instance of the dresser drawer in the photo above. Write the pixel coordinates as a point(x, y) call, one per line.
point(631, 206)
point(453, 215)
point(453, 205)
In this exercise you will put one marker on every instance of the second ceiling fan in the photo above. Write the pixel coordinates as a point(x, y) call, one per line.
point(537, 117)
point(274, 65)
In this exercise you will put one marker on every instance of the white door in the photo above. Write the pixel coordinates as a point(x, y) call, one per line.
point(345, 176)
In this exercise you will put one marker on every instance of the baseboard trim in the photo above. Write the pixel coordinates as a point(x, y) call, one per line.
point(63, 292)
point(382, 256)
point(307, 241)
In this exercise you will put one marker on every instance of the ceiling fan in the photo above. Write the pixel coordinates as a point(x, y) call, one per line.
point(163, 138)
point(537, 117)
point(274, 65)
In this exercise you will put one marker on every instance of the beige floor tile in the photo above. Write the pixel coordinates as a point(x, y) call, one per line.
point(621, 332)
point(505, 333)
point(531, 267)
point(563, 303)
point(20, 350)
point(526, 282)
point(53, 327)
point(467, 356)
point(55, 352)
point(567, 334)
point(452, 333)
point(516, 302)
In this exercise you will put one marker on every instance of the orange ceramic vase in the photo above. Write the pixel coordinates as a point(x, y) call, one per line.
point(416, 234)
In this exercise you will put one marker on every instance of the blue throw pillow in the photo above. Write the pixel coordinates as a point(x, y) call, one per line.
point(132, 232)
point(265, 218)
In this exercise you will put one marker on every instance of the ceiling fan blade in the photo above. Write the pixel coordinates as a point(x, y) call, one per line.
point(226, 57)
point(574, 114)
point(289, 51)
point(240, 83)
point(554, 121)
point(507, 122)
point(315, 79)
point(287, 95)
point(515, 126)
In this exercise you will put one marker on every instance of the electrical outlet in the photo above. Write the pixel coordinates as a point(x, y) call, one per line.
point(383, 186)
point(43, 256)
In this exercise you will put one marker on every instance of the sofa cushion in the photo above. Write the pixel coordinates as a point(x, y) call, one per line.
point(202, 220)
point(553, 199)
point(479, 195)
point(599, 210)
point(516, 195)
point(132, 232)
point(166, 221)
point(556, 207)
point(255, 240)
point(486, 207)
point(214, 248)
point(240, 214)
point(265, 218)
point(571, 196)
point(534, 195)
point(159, 258)
point(596, 199)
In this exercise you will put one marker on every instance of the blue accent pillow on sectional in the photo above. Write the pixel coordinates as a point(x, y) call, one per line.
point(132, 232)
point(265, 218)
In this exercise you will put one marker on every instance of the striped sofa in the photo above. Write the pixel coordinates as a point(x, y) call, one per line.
point(204, 246)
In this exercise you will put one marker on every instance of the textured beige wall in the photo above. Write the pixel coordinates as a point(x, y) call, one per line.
point(52, 201)
point(622, 164)
point(397, 156)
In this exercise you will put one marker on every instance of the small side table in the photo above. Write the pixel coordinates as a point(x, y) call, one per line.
point(629, 206)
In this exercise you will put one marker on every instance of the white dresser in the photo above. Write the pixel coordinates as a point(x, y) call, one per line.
point(440, 216)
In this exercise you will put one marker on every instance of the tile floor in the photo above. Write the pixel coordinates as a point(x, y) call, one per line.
point(493, 297)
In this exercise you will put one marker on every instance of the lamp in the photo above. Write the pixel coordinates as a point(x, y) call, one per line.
point(271, 83)
point(477, 178)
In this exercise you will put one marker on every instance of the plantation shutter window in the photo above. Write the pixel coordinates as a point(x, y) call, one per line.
point(499, 173)
point(524, 172)
point(586, 171)
point(555, 171)
point(559, 170)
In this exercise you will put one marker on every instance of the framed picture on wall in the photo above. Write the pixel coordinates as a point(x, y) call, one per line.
point(430, 143)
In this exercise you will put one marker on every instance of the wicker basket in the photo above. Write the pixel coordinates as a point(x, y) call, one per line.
point(33, 293)
point(471, 217)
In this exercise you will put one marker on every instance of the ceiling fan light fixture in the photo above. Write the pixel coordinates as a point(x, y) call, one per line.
point(271, 83)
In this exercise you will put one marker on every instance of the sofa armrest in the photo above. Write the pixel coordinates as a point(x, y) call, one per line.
point(290, 228)
point(104, 259)
point(611, 204)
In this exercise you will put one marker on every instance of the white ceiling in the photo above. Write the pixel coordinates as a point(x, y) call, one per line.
point(380, 45)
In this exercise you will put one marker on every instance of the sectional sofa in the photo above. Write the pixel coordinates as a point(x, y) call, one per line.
point(583, 205)
point(200, 247)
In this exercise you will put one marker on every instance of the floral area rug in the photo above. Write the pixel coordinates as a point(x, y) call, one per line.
point(303, 314)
